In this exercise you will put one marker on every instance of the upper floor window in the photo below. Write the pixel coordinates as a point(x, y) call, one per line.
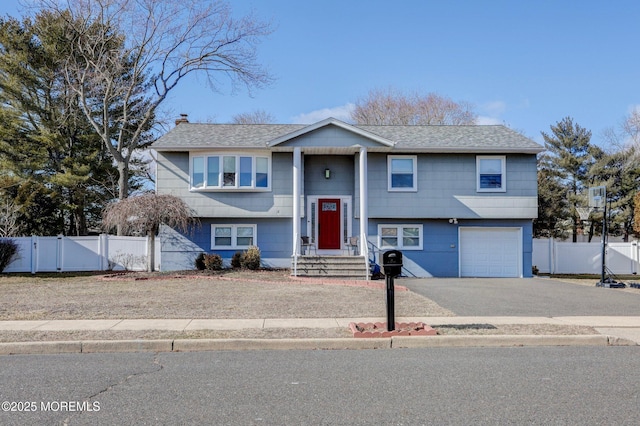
point(491, 173)
point(230, 172)
point(402, 175)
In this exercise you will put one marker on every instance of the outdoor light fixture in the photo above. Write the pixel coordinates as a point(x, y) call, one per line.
point(453, 221)
point(327, 173)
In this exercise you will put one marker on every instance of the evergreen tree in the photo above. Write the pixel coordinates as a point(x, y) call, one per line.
point(569, 155)
point(620, 173)
point(47, 147)
point(552, 204)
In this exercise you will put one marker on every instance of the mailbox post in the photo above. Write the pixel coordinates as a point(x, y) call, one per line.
point(392, 264)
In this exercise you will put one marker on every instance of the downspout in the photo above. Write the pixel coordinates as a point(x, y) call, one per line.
point(297, 161)
point(364, 213)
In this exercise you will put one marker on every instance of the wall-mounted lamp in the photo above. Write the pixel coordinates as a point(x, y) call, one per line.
point(453, 221)
point(327, 173)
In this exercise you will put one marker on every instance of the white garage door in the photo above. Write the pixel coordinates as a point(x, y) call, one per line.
point(490, 252)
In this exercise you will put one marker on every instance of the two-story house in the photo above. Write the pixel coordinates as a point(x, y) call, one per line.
point(456, 200)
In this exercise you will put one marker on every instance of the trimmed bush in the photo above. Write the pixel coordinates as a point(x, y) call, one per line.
point(236, 260)
point(213, 262)
point(8, 252)
point(251, 258)
point(199, 263)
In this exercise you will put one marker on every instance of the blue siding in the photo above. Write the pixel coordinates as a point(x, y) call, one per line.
point(440, 254)
point(180, 250)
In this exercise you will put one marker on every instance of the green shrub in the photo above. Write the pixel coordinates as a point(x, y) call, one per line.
point(213, 262)
point(251, 258)
point(8, 252)
point(236, 260)
point(200, 262)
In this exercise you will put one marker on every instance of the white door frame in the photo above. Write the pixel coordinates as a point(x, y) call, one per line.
point(312, 220)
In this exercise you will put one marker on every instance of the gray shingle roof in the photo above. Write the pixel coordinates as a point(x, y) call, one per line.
point(189, 136)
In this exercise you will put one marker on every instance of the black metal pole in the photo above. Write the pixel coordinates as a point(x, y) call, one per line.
point(391, 321)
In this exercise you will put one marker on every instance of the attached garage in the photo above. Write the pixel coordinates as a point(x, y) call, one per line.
point(490, 252)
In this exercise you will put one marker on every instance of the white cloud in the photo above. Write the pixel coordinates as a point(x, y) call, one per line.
point(494, 108)
point(486, 121)
point(341, 112)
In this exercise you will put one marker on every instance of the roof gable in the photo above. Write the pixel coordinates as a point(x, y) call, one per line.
point(324, 127)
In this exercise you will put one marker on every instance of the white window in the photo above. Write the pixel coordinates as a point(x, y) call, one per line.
point(402, 174)
point(233, 236)
point(197, 172)
point(491, 173)
point(230, 172)
point(401, 237)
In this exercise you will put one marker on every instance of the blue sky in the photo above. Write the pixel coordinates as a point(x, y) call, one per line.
point(526, 64)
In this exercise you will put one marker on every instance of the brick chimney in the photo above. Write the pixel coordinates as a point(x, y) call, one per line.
point(182, 119)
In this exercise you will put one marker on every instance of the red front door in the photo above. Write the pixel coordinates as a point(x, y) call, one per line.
point(329, 223)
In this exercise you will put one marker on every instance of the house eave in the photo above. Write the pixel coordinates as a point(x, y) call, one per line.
point(330, 121)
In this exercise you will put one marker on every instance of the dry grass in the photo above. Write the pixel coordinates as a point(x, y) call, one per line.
point(272, 294)
point(229, 294)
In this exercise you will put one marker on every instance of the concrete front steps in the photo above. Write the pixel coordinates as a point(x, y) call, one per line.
point(344, 267)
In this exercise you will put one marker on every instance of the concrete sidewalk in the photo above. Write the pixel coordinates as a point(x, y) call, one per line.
point(614, 330)
point(612, 322)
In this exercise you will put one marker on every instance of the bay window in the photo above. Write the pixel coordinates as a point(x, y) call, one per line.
point(229, 172)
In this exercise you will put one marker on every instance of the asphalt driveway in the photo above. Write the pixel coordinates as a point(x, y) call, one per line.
point(523, 297)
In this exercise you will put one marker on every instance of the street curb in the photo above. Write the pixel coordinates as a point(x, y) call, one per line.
point(397, 342)
point(188, 345)
point(502, 341)
point(24, 348)
point(101, 346)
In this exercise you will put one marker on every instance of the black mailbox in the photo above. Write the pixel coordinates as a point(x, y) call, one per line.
point(392, 263)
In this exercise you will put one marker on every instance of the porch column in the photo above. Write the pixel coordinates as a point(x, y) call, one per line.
point(364, 212)
point(297, 163)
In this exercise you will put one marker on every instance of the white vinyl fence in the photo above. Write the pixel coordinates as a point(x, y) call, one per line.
point(559, 257)
point(72, 254)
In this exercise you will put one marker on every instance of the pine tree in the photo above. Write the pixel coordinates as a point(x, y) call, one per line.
point(47, 147)
point(569, 155)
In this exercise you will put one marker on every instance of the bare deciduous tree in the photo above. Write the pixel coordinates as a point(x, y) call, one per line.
point(391, 107)
point(258, 116)
point(9, 226)
point(144, 214)
point(128, 55)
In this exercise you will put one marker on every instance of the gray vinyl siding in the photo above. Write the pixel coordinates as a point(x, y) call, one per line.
point(341, 181)
point(330, 136)
point(173, 178)
point(444, 180)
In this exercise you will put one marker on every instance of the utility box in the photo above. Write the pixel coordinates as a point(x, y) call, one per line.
point(392, 263)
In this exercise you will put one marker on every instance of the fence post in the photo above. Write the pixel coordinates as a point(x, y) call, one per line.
point(60, 253)
point(34, 254)
point(104, 252)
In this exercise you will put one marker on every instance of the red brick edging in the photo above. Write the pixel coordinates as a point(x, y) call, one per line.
point(379, 329)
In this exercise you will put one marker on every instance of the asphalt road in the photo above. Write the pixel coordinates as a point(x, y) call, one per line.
point(522, 297)
point(526, 385)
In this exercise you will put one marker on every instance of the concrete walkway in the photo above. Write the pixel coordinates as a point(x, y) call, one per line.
point(614, 330)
